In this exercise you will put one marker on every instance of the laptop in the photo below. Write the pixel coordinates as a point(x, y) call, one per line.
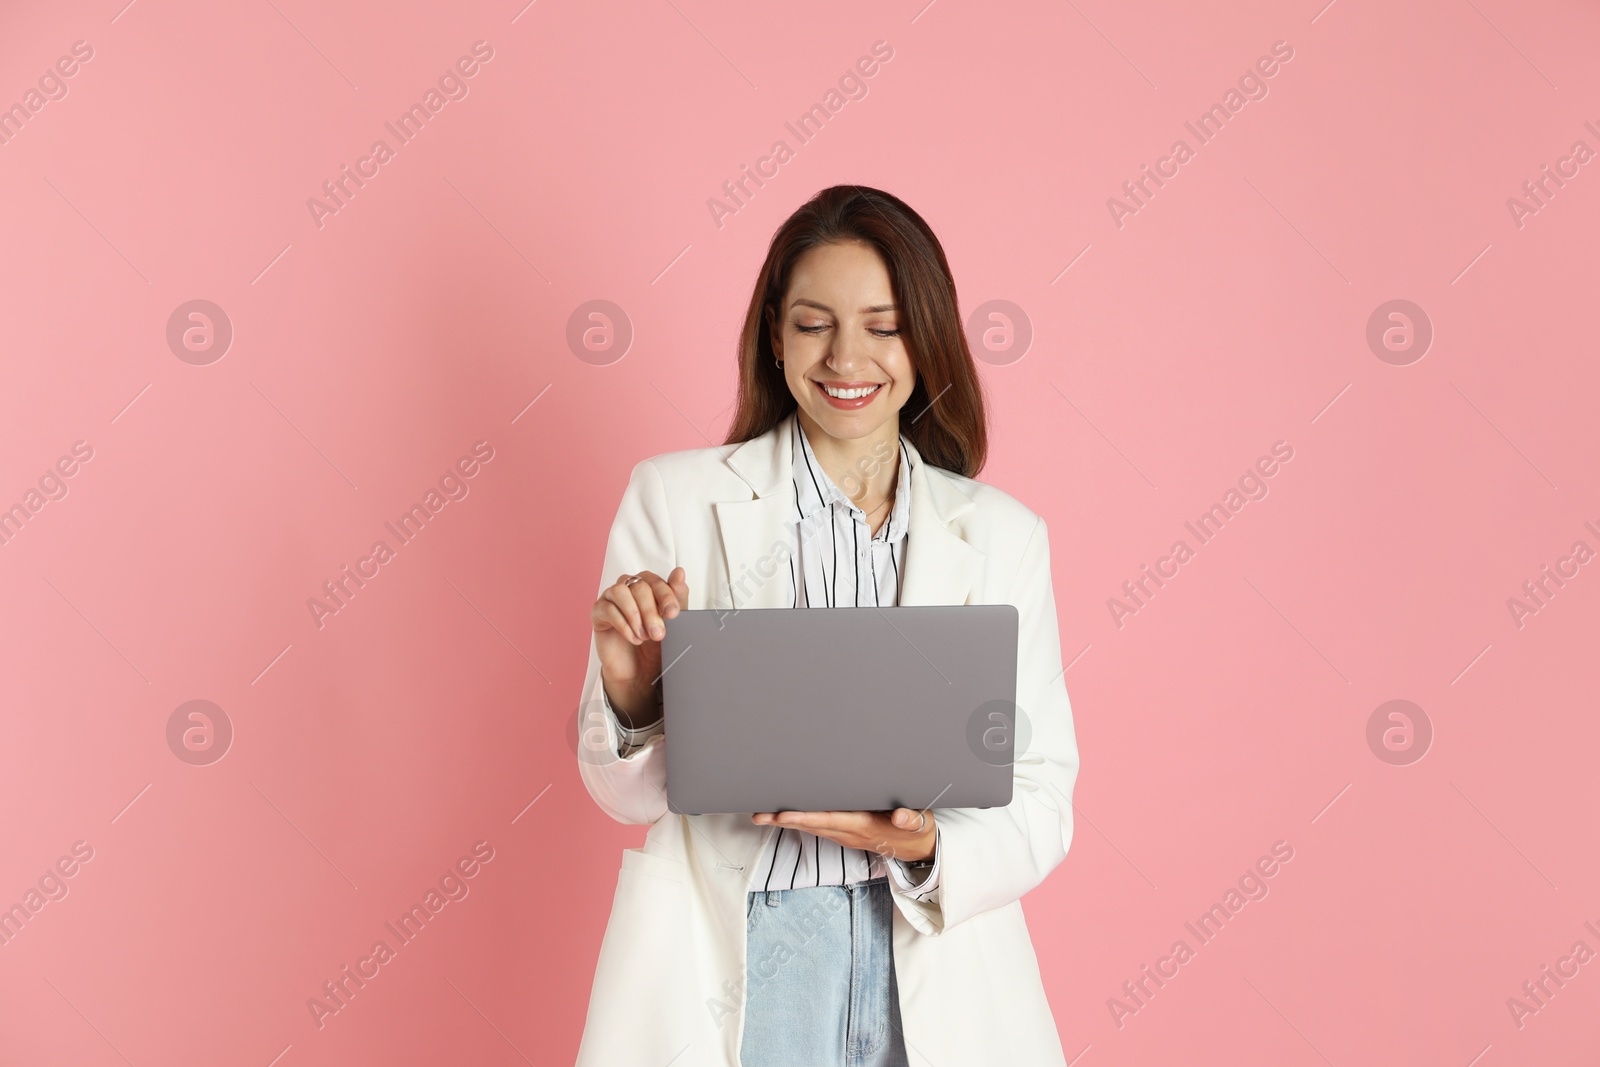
point(840, 709)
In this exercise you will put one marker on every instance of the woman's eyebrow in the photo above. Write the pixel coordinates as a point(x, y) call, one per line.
point(873, 310)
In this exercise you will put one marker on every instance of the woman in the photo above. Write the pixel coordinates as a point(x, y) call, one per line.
point(871, 939)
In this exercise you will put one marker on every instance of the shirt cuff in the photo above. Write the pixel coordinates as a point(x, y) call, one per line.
point(631, 739)
point(920, 884)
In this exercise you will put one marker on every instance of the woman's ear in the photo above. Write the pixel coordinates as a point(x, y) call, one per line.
point(774, 334)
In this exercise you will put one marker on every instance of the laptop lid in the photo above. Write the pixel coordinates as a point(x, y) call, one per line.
point(840, 709)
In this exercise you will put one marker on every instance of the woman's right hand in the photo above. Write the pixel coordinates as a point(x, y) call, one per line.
point(628, 628)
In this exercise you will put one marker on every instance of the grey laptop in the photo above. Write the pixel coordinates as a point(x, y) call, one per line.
point(840, 709)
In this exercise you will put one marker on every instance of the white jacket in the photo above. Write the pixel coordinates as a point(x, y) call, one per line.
point(668, 987)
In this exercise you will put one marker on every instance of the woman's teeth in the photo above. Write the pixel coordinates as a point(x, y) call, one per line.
point(851, 394)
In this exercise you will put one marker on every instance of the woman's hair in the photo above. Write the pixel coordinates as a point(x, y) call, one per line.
point(950, 432)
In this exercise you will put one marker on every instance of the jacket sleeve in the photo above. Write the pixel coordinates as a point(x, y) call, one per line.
point(904, 881)
point(992, 856)
point(631, 788)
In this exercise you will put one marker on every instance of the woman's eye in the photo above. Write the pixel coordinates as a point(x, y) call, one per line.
point(818, 329)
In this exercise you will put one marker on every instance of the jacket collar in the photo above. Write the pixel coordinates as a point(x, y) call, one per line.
point(757, 534)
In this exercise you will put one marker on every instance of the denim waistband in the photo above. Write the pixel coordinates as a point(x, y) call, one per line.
point(775, 897)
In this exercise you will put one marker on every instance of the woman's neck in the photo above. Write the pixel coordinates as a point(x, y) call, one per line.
point(865, 469)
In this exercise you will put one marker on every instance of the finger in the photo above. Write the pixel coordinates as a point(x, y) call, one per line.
point(909, 819)
point(620, 595)
point(666, 598)
point(795, 818)
point(775, 818)
point(644, 594)
point(628, 606)
point(679, 580)
point(607, 613)
point(842, 822)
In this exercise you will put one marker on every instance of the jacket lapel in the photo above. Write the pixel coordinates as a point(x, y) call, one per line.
point(757, 533)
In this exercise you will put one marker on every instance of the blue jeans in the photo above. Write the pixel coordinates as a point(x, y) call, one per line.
point(820, 987)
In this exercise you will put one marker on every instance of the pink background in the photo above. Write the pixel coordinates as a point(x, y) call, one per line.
point(1228, 313)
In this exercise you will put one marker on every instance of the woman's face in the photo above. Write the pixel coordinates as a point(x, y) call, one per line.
point(840, 331)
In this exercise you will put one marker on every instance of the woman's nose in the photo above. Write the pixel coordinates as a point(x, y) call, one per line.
point(844, 358)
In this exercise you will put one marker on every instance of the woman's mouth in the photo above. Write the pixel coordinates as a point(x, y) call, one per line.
point(848, 396)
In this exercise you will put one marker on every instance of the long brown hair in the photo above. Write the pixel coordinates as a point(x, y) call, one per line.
point(944, 416)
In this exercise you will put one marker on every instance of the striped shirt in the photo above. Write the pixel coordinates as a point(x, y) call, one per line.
point(839, 563)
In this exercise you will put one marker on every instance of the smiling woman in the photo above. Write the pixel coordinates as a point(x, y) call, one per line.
point(859, 428)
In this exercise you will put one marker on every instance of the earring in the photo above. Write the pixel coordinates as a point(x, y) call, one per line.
point(776, 362)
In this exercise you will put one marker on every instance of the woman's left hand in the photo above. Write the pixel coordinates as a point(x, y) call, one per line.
point(894, 835)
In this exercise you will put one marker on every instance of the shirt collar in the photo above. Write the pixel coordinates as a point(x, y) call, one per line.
point(814, 490)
